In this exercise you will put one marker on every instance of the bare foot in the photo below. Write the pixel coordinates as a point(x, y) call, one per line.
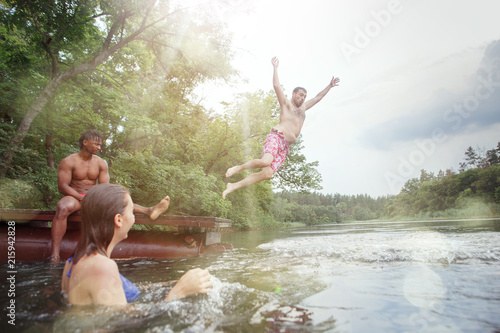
point(160, 208)
point(229, 188)
point(232, 171)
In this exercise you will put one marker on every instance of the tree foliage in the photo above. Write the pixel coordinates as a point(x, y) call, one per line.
point(74, 37)
point(296, 173)
point(476, 158)
point(316, 208)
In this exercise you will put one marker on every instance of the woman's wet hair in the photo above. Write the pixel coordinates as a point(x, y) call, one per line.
point(99, 208)
point(90, 135)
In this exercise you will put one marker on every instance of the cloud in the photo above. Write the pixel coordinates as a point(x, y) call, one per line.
point(454, 113)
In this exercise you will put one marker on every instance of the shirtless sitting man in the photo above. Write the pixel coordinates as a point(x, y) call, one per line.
point(276, 147)
point(76, 175)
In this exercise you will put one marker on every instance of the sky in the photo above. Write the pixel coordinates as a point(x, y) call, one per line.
point(419, 81)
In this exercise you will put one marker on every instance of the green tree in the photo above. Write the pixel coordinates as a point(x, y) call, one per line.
point(296, 173)
point(471, 159)
point(493, 156)
point(75, 37)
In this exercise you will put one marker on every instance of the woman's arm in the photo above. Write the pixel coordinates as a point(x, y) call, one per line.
point(195, 281)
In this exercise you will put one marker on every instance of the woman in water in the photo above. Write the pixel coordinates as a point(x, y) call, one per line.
point(90, 276)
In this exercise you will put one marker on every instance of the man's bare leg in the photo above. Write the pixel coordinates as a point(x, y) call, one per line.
point(262, 162)
point(156, 210)
point(65, 207)
point(254, 178)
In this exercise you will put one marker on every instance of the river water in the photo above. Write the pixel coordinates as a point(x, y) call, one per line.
point(431, 276)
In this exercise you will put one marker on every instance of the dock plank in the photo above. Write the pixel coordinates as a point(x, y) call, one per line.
point(33, 215)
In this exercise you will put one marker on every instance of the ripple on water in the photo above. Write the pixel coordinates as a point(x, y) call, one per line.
point(393, 280)
point(427, 246)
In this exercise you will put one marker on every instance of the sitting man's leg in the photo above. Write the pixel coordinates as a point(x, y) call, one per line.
point(154, 211)
point(65, 207)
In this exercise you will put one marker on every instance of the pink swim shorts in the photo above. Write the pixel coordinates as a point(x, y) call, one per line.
point(277, 146)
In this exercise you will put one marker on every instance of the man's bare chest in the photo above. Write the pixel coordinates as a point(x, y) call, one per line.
point(299, 113)
point(295, 115)
point(85, 170)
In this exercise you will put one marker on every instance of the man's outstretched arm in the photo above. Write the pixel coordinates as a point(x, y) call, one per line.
point(310, 103)
point(276, 82)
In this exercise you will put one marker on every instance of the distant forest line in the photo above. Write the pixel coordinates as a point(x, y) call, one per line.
point(472, 192)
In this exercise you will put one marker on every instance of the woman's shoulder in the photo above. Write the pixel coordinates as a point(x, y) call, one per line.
point(94, 265)
point(95, 279)
point(100, 264)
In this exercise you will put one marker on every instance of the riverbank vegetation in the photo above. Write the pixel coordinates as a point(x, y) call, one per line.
point(473, 191)
point(134, 71)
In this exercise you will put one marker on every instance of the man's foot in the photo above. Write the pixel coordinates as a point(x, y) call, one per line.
point(160, 208)
point(229, 188)
point(232, 171)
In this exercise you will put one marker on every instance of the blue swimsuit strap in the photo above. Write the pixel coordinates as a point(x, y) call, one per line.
point(69, 272)
point(131, 291)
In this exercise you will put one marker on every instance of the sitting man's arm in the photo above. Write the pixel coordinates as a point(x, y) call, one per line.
point(103, 172)
point(64, 177)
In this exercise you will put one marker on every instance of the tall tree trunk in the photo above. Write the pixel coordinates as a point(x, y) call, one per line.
point(30, 115)
point(49, 136)
point(49, 147)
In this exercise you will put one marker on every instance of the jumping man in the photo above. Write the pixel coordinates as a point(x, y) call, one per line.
point(276, 147)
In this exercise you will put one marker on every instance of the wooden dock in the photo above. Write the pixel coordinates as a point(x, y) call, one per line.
point(194, 235)
point(42, 217)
